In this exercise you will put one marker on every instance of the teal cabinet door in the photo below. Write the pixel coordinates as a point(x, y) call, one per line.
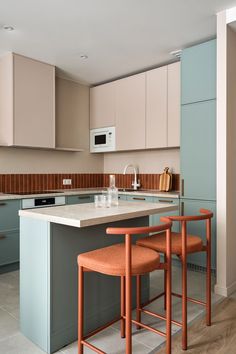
point(122, 197)
point(198, 150)
point(192, 207)
point(9, 247)
point(9, 219)
point(139, 198)
point(155, 219)
point(79, 199)
point(198, 73)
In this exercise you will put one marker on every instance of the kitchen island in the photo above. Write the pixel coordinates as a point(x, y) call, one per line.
point(50, 240)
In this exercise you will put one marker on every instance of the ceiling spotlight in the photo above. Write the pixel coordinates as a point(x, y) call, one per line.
point(176, 53)
point(83, 56)
point(8, 28)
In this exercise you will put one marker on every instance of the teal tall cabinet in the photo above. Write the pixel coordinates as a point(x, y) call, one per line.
point(198, 139)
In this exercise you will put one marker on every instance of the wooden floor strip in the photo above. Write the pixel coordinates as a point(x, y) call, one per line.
point(219, 338)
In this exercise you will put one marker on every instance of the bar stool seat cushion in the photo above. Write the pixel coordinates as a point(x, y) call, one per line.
point(111, 260)
point(157, 242)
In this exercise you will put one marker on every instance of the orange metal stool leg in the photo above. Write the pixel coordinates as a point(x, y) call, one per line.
point(138, 300)
point(165, 282)
point(122, 307)
point(168, 294)
point(208, 277)
point(128, 309)
point(184, 288)
point(80, 310)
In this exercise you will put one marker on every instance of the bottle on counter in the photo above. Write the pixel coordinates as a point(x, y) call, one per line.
point(113, 191)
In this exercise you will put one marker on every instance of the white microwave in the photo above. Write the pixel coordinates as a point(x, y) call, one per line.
point(103, 139)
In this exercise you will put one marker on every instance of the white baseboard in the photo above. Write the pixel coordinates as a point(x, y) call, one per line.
point(225, 291)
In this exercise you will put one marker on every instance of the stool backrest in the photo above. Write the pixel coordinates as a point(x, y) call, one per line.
point(140, 230)
point(184, 219)
point(129, 231)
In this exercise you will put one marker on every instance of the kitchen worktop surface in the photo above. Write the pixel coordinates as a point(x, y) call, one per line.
point(81, 215)
point(78, 191)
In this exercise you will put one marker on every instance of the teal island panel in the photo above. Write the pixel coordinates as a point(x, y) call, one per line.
point(48, 281)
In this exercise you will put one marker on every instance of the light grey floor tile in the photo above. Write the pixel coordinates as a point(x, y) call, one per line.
point(18, 344)
point(9, 293)
point(109, 341)
point(8, 325)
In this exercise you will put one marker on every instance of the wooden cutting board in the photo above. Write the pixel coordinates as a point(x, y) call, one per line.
point(165, 182)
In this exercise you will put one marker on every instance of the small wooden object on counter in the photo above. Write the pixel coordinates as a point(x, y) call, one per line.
point(165, 183)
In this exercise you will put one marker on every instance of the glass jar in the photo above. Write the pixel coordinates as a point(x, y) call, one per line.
point(113, 191)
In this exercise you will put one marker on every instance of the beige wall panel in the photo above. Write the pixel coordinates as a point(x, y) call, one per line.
point(6, 99)
point(173, 129)
point(102, 106)
point(156, 108)
point(149, 161)
point(130, 113)
point(34, 103)
point(72, 114)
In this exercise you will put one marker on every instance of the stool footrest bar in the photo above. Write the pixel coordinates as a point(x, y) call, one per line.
point(92, 347)
point(101, 328)
point(190, 299)
point(149, 328)
point(161, 317)
point(153, 299)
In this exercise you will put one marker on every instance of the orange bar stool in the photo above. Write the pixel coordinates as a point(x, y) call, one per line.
point(182, 244)
point(125, 260)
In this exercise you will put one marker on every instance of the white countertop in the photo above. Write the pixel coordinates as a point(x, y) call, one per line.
point(81, 215)
point(78, 191)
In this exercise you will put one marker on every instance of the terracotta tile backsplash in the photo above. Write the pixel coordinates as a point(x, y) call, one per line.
point(38, 182)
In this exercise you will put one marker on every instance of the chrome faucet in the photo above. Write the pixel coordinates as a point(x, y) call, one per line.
point(135, 183)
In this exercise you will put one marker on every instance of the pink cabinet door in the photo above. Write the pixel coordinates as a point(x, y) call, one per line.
point(130, 113)
point(156, 108)
point(102, 106)
point(34, 103)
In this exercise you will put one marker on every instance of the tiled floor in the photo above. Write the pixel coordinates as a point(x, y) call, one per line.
point(13, 342)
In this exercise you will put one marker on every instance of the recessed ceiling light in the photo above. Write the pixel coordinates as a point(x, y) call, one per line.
point(176, 53)
point(8, 28)
point(83, 56)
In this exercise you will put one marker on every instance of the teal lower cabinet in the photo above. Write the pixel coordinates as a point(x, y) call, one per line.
point(9, 247)
point(9, 219)
point(155, 219)
point(9, 233)
point(139, 198)
point(122, 197)
point(192, 207)
point(79, 199)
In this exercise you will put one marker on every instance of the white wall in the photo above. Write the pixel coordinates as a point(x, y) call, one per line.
point(226, 152)
point(149, 161)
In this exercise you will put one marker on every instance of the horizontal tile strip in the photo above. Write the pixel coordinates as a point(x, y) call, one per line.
point(38, 182)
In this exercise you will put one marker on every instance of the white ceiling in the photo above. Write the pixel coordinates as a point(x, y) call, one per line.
point(119, 36)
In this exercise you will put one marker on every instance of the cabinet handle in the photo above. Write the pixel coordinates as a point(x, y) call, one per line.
point(2, 204)
point(182, 209)
point(165, 201)
point(85, 197)
point(2, 236)
point(182, 187)
point(136, 198)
